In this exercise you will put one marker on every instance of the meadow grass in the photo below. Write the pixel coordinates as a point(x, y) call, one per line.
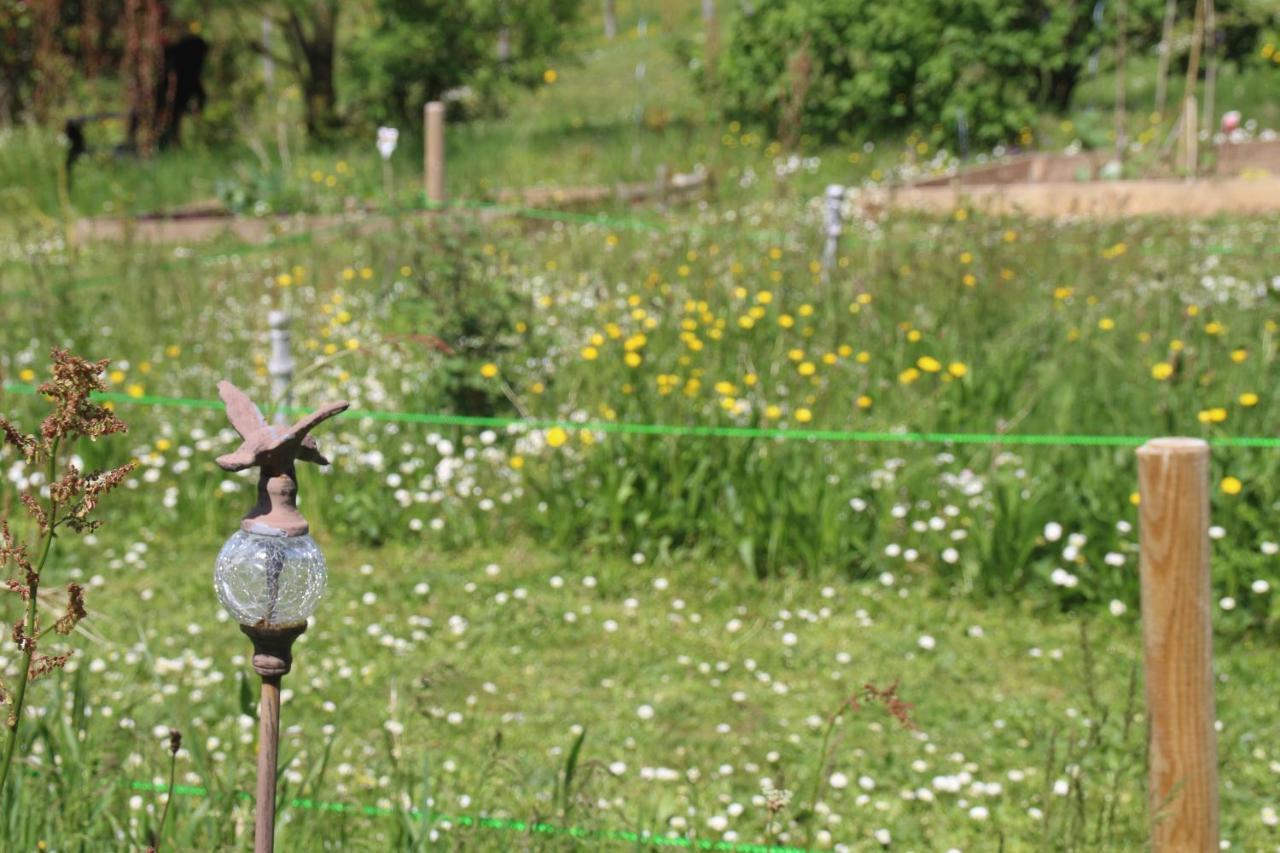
point(462, 696)
point(457, 685)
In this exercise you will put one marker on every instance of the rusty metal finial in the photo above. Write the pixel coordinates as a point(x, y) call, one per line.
point(273, 449)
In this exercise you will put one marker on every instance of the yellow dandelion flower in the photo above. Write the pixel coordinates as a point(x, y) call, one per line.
point(550, 76)
point(632, 359)
point(1239, 356)
point(928, 364)
point(163, 444)
point(1214, 328)
point(173, 350)
point(1106, 324)
point(29, 375)
point(135, 390)
point(1161, 370)
point(966, 258)
point(366, 273)
point(489, 370)
point(284, 279)
point(590, 353)
point(516, 462)
point(772, 412)
point(864, 402)
point(1231, 485)
point(556, 437)
point(958, 369)
point(1248, 399)
point(908, 376)
point(764, 297)
point(806, 368)
point(786, 321)
point(1135, 498)
point(803, 416)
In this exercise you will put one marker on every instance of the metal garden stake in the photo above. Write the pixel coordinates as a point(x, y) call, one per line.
point(833, 225)
point(270, 574)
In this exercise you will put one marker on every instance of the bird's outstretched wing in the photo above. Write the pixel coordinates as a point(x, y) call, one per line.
point(241, 411)
point(237, 460)
point(328, 410)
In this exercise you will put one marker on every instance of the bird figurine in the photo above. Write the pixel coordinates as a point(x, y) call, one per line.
point(273, 450)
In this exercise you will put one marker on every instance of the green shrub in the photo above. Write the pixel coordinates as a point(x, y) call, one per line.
point(413, 52)
point(851, 68)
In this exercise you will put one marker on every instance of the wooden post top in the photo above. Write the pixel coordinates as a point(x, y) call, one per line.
point(1176, 445)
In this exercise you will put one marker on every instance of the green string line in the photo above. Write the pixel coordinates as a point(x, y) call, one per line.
point(701, 431)
point(480, 822)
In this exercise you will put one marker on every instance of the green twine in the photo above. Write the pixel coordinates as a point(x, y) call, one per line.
point(494, 823)
point(702, 431)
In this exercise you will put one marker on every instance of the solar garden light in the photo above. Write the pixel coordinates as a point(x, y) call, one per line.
point(270, 574)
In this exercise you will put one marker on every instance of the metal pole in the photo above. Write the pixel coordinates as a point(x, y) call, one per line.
point(264, 824)
point(281, 364)
point(833, 223)
point(272, 660)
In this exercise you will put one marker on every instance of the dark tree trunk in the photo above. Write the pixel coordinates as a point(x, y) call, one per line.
point(318, 49)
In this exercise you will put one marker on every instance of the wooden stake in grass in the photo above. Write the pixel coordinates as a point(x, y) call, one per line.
point(1190, 137)
point(1173, 480)
point(433, 155)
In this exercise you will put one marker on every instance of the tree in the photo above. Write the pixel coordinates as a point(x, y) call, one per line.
point(310, 29)
point(416, 50)
point(876, 67)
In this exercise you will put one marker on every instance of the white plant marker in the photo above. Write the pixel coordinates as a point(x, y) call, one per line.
point(280, 365)
point(833, 223)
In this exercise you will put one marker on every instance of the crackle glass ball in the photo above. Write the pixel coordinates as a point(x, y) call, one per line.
point(269, 581)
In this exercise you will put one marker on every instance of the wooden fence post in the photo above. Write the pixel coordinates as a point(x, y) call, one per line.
point(433, 153)
point(1173, 482)
point(610, 11)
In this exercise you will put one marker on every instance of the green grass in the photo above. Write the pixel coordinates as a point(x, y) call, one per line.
point(1065, 343)
point(394, 702)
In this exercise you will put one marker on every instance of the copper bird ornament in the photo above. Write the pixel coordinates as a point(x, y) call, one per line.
point(273, 450)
